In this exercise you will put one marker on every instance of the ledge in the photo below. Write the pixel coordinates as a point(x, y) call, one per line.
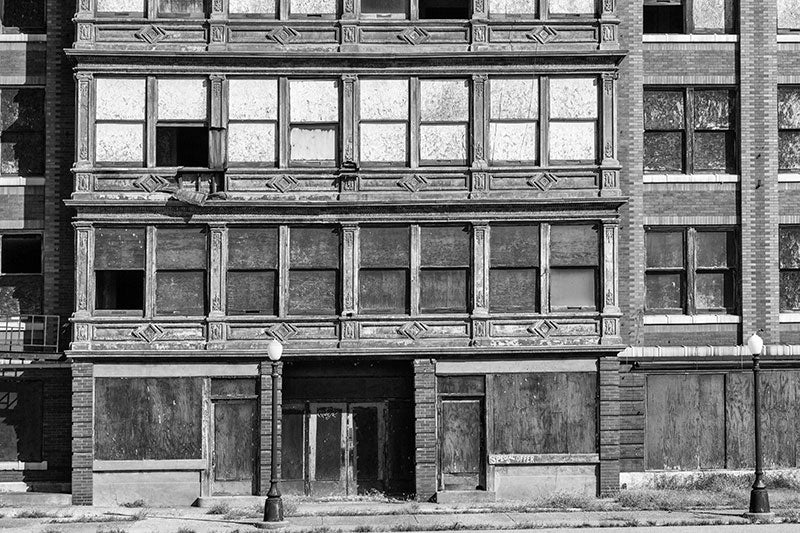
point(22, 465)
point(789, 177)
point(717, 352)
point(23, 37)
point(693, 178)
point(690, 38)
point(650, 320)
point(542, 458)
point(19, 181)
point(790, 318)
point(789, 37)
point(150, 465)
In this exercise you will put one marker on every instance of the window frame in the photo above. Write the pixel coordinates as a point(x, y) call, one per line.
point(144, 123)
point(538, 122)
point(469, 270)
point(275, 311)
point(38, 275)
point(28, 30)
point(289, 268)
point(359, 120)
point(782, 269)
point(418, 123)
point(796, 130)
point(287, 128)
point(143, 269)
point(280, 99)
point(40, 131)
point(688, 18)
point(538, 269)
point(690, 270)
point(547, 119)
point(205, 271)
point(181, 123)
point(596, 268)
point(407, 269)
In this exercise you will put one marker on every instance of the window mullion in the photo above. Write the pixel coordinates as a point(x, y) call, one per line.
point(544, 122)
point(544, 268)
point(283, 122)
point(414, 118)
point(688, 17)
point(689, 123)
point(415, 269)
point(691, 267)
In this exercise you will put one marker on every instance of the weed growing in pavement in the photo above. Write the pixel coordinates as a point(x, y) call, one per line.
point(219, 508)
point(51, 530)
point(185, 530)
point(89, 519)
point(35, 513)
point(364, 529)
point(133, 504)
point(112, 530)
point(239, 512)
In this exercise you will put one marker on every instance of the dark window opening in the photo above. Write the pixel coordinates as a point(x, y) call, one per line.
point(22, 254)
point(182, 146)
point(119, 290)
point(384, 7)
point(25, 16)
point(443, 9)
point(666, 17)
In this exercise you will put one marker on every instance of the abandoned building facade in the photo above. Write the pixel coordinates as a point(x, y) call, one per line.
point(509, 246)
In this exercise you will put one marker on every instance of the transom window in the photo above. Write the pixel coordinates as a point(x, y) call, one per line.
point(689, 16)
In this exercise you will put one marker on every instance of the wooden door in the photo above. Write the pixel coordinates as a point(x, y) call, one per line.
point(327, 454)
point(366, 448)
point(461, 443)
point(234, 446)
point(294, 450)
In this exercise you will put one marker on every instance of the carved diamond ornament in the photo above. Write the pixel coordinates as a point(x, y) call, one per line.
point(149, 332)
point(413, 183)
point(282, 35)
point(542, 35)
point(543, 328)
point(151, 183)
point(413, 330)
point(542, 181)
point(281, 332)
point(282, 183)
point(414, 36)
point(151, 34)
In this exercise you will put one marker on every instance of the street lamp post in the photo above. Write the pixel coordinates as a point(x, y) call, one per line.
point(273, 507)
point(759, 498)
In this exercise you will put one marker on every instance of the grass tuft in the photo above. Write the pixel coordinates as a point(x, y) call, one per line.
point(35, 513)
point(185, 530)
point(219, 508)
point(133, 504)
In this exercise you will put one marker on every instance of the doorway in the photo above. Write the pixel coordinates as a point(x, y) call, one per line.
point(461, 433)
point(234, 430)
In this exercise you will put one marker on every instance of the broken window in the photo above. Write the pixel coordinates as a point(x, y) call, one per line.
point(444, 119)
point(181, 8)
point(384, 121)
point(788, 15)
point(314, 121)
point(443, 9)
point(384, 273)
point(571, 7)
point(514, 269)
point(703, 140)
point(444, 269)
point(182, 128)
point(313, 271)
point(513, 119)
point(312, 8)
point(119, 269)
point(21, 269)
point(689, 16)
point(120, 121)
point(134, 8)
point(574, 266)
point(21, 132)
point(790, 268)
point(22, 16)
point(690, 270)
point(512, 8)
point(253, 121)
point(385, 8)
point(252, 7)
point(573, 120)
point(789, 129)
point(181, 263)
point(252, 284)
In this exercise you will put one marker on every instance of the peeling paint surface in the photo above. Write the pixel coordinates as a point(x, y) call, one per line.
point(251, 6)
point(312, 6)
point(313, 101)
point(253, 99)
point(572, 6)
point(788, 14)
point(572, 141)
point(383, 142)
point(120, 6)
point(512, 7)
point(444, 100)
point(514, 98)
point(313, 144)
point(250, 143)
point(384, 99)
point(182, 99)
point(120, 99)
point(573, 97)
point(442, 142)
point(516, 141)
point(119, 142)
point(712, 14)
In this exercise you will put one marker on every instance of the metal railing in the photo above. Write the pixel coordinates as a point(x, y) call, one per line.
point(29, 333)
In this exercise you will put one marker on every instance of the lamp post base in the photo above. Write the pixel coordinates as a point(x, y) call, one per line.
point(271, 525)
point(273, 508)
point(759, 503)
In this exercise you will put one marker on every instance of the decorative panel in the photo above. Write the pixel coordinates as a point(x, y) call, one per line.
point(182, 99)
point(253, 99)
point(120, 99)
point(573, 97)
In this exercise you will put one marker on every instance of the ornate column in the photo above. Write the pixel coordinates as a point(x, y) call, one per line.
point(84, 120)
point(610, 166)
point(350, 260)
point(216, 272)
point(84, 284)
point(610, 285)
point(348, 121)
point(480, 276)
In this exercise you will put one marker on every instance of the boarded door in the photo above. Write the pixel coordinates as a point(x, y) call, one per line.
point(461, 443)
point(367, 449)
point(234, 446)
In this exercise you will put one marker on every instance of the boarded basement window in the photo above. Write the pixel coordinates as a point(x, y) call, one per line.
point(181, 262)
point(314, 120)
point(22, 16)
point(384, 121)
point(443, 9)
point(790, 268)
point(574, 262)
point(119, 269)
point(514, 269)
point(383, 276)
point(253, 120)
point(181, 8)
point(513, 119)
point(252, 271)
point(788, 15)
point(444, 269)
point(119, 121)
point(444, 118)
point(313, 271)
point(573, 120)
point(789, 129)
point(21, 132)
point(20, 420)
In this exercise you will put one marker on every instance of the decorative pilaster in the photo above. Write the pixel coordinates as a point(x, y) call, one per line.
point(479, 120)
point(217, 269)
point(348, 122)
point(84, 252)
point(349, 10)
point(480, 261)
point(85, 9)
point(350, 260)
point(84, 119)
point(219, 9)
point(610, 287)
point(610, 164)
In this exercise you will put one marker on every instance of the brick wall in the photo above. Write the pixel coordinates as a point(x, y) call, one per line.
point(689, 59)
point(265, 424)
point(425, 428)
point(631, 420)
point(609, 426)
point(82, 432)
point(698, 199)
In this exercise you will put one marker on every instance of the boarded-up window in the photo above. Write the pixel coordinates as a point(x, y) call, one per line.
point(21, 282)
point(572, 7)
point(713, 16)
point(120, 121)
point(252, 284)
point(684, 16)
point(384, 121)
point(314, 117)
point(148, 418)
point(707, 135)
point(444, 119)
point(120, 7)
point(21, 132)
point(789, 129)
point(552, 412)
point(252, 7)
point(313, 271)
point(20, 420)
point(514, 269)
point(253, 121)
point(314, 8)
point(790, 268)
point(181, 8)
point(181, 262)
point(573, 120)
point(444, 269)
point(119, 262)
point(383, 276)
point(22, 16)
point(514, 119)
point(574, 262)
point(512, 8)
point(788, 15)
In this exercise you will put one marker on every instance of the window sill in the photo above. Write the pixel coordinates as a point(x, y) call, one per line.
point(690, 38)
point(21, 465)
point(789, 37)
point(790, 318)
point(652, 320)
point(788, 177)
point(693, 178)
point(23, 37)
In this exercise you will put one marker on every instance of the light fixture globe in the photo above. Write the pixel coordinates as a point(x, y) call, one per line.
point(755, 343)
point(274, 350)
